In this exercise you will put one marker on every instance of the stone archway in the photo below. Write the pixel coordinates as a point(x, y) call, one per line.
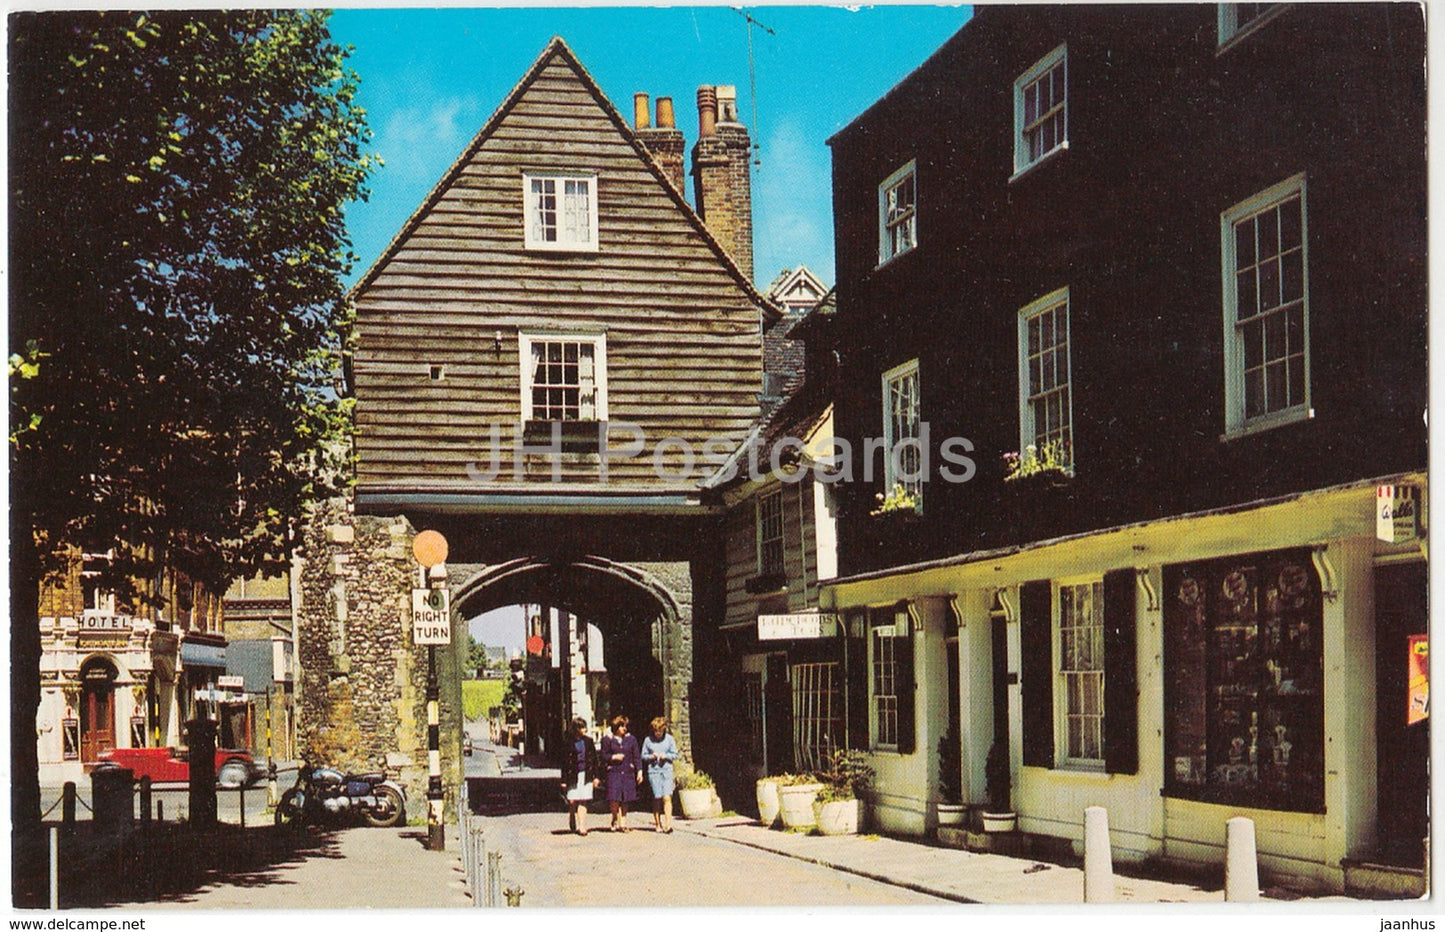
point(644, 610)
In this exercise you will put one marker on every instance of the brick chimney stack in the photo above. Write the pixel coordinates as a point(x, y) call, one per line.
point(664, 140)
point(722, 182)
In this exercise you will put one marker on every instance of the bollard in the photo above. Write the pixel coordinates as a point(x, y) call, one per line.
point(67, 806)
point(55, 865)
point(1098, 859)
point(201, 739)
point(160, 810)
point(1241, 867)
point(494, 878)
point(145, 803)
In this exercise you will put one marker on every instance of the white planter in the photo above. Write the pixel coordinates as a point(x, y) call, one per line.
point(839, 817)
point(952, 814)
point(768, 804)
point(796, 804)
point(996, 822)
point(696, 804)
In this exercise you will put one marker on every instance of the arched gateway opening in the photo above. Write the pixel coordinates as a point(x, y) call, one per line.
point(645, 624)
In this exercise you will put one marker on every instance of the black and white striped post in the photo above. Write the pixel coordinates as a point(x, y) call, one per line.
point(430, 549)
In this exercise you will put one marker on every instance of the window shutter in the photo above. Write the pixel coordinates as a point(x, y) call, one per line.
point(1036, 644)
point(907, 689)
point(856, 658)
point(1121, 692)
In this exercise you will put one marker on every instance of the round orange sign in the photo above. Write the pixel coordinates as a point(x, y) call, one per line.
point(430, 548)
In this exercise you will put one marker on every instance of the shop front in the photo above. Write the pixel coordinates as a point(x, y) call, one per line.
point(1266, 661)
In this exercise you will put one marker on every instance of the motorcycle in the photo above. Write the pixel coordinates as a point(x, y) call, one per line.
point(323, 794)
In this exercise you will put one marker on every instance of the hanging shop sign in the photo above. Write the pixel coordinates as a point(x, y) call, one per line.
point(1397, 513)
point(1419, 667)
point(431, 616)
point(231, 682)
point(799, 625)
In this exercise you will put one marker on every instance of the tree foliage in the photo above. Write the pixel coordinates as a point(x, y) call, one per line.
point(177, 246)
point(178, 183)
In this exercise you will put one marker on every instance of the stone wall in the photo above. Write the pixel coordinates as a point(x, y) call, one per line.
point(362, 684)
point(672, 646)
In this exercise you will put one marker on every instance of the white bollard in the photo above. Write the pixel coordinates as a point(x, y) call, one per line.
point(1098, 859)
point(1241, 867)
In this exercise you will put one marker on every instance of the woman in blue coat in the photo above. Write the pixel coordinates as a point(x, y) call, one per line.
point(624, 770)
point(659, 750)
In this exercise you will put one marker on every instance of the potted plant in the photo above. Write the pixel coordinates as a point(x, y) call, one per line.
point(836, 808)
point(768, 804)
point(796, 794)
point(998, 816)
point(1047, 463)
point(899, 501)
point(951, 810)
point(695, 792)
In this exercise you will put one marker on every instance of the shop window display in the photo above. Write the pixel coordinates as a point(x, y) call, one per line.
point(1243, 664)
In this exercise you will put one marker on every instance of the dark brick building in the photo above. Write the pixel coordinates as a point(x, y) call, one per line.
point(1179, 251)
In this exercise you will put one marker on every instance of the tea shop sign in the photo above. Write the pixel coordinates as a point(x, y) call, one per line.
point(797, 625)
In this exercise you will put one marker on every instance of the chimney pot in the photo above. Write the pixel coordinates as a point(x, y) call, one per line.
point(727, 103)
point(665, 118)
point(706, 111)
point(640, 114)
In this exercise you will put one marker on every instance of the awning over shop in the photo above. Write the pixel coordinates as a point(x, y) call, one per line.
point(198, 654)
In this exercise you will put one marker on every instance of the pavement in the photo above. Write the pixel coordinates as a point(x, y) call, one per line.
point(372, 867)
point(746, 864)
point(948, 873)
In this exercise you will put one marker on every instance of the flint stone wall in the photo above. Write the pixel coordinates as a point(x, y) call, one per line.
point(362, 684)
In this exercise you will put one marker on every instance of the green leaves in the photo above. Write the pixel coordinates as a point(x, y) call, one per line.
point(177, 248)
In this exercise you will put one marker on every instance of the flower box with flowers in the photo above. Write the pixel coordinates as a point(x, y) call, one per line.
point(1049, 464)
point(898, 504)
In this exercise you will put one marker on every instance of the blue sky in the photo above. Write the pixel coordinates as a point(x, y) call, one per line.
point(431, 77)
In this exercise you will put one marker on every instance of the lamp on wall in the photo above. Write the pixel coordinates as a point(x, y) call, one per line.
point(497, 342)
point(1329, 582)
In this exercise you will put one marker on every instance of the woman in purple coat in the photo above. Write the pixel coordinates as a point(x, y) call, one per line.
point(624, 770)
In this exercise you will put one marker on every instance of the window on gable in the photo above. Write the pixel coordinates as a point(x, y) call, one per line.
point(897, 213)
point(1045, 383)
point(1266, 309)
point(1080, 626)
point(770, 534)
point(564, 377)
point(903, 452)
point(561, 212)
point(1237, 19)
point(1041, 110)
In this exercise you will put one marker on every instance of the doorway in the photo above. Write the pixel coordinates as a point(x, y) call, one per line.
point(1403, 750)
point(97, 709)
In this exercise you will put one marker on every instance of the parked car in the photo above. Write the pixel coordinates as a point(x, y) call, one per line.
point(170, 765)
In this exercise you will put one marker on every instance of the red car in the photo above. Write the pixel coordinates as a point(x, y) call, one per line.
point(168, 765)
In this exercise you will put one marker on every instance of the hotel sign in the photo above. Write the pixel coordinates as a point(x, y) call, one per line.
point(799, 625)
point(105, 623)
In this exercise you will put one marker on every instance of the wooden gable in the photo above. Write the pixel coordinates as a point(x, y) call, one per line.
point(440, 315)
